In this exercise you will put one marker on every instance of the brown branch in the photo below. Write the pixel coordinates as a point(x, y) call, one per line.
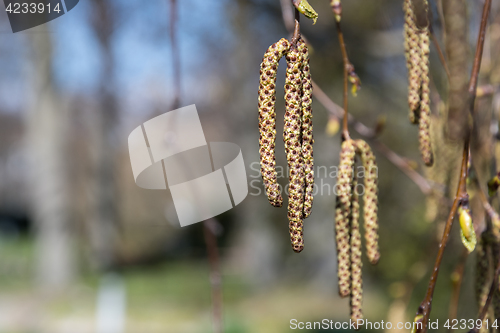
point(175, 55)
point(440, 53)
point(347, 66)
point(479, 53)
point(425, 307)
point(482, 196)
point(403, 165)
point(369, 134)
point(296, 31)
point(209, 226)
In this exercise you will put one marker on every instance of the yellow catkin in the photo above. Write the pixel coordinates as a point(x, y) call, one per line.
point(413, 55)
point(370, 208)
point(356, 297)
point(342, 229)
point(267, 119)
point(307, 128)
point(293, 147)
point(425, 109)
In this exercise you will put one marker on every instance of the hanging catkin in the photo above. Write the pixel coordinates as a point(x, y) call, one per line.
point(412, 55)
point(267, 119)
point(347, 212)
point(307, 128)
point(356, 296)
point(425, 108)
point(370, 208)
point(293, 147)
point(342, 216)
point(417, 48)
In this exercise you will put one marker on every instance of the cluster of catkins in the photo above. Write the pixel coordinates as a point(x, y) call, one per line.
point(417, 48)
point(347, 215)
point(297, 134)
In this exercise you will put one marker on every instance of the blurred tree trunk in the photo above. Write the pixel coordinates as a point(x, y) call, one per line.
point(102, 194)
point(47, 137)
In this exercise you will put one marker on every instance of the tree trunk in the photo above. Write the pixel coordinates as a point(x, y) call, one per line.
point(46, 124)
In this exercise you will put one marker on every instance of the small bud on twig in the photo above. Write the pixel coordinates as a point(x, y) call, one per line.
point(305, 8)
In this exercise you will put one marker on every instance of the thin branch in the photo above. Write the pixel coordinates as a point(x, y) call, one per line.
point(425, 307)
point(479, 53)
point(440, 53)
point(347, 66)
point(175, 55)
point(209, 226)
point(296, 31)
point(369, 134)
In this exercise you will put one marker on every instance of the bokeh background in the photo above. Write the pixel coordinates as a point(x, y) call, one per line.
point(83, 249)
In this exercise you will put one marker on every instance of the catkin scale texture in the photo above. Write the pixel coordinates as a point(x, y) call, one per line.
point(356, 297)
point(267, 119)
point(307, 128)
point(424, 131)
point(342, 228)
point(370, 208)
point(412, 61)
point(293, 147)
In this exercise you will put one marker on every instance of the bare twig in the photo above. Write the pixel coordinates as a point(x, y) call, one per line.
point(296, 31)
point(347, 66)
point(440, 53)
point(209, 226)
point(424, 310)
point(175, 55)
point(335, 110)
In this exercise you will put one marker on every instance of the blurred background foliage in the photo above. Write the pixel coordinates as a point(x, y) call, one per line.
point(83, 249)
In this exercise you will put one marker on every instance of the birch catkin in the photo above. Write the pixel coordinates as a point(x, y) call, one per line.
point(297, 132)
point(267, 119)
point(307, 129)
point(342, 228)
point(425, 108)
point(412, 61)
point(293, 147)
point(348, 237)
point(370, 208)
point(356, 297)
point(417, 50)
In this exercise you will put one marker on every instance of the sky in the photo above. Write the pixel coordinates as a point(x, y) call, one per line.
point(141, 49)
